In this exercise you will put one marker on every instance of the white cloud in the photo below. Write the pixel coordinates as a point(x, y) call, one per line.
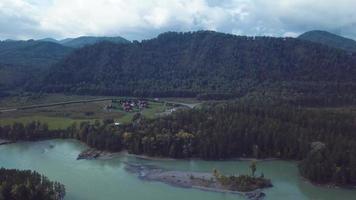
point(138, 19)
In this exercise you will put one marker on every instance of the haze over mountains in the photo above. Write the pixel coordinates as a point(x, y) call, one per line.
point(32, 53)
point(24, 60)
point(46, 51)
point(330, 39)
point(85, 40)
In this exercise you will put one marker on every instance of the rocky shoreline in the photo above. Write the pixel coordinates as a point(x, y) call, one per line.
point(91, 154)
point(197, 180)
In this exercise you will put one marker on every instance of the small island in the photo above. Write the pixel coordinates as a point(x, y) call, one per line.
point(247, 185)
point(91, 154)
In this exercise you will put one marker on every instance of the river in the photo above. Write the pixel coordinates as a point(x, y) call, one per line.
point(108, 180)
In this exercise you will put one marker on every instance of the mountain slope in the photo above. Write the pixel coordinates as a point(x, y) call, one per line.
point(31, 53)
point(205, 64)
point(330, 39)
point(21, 61)
point(48, 40)
point(88, 40)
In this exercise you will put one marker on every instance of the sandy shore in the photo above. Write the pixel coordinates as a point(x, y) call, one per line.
point(91, 154)
point(145, 157)
point(98, 154)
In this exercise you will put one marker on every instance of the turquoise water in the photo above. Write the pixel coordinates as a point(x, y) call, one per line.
point(107, 179)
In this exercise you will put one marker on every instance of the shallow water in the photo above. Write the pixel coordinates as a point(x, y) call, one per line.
point(108, 180)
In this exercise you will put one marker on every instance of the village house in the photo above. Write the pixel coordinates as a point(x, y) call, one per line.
point(126, 106)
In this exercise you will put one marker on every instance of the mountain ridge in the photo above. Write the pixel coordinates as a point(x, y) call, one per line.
point(31, 52)
point(202, 63)
point(86, 40)
point(330, 39)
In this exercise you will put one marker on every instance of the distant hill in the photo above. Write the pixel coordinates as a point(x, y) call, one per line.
point(330, 39)
point(88, 40)
point(49, 40)
point(31, 53)
point(21, 61)
point(208, 64)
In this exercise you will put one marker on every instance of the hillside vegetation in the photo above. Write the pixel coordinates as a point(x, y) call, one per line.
point(21, 61)
point(330, 39)
point(32, 53)
point(208, 65)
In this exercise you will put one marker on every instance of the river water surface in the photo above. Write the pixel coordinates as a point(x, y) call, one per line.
point(108, 180)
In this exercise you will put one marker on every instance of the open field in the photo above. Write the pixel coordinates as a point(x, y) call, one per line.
point(61, 116)
point(53, 122)
point(32, 99)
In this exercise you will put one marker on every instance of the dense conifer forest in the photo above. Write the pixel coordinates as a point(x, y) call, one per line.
point(208, 65)
point(28, 185)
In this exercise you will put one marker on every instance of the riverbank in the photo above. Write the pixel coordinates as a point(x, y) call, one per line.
point(91, 154)
point(3, 142)
point(196, 180)
point(329, 185)
point(108, 179)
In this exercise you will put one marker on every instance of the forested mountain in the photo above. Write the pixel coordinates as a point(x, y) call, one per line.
point(21, 61)
point(89, 40)
point(12, 76)
point(209, 65)
point(330, 39)
point(32, 53)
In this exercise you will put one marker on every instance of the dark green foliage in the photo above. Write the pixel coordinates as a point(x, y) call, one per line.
point(102, 136)
point(329, 39)
point(207, 65)
point(242, 182)
point(12, 76)
point(240, 130)
point(31, 131)
point(28, 185)
point(31, 53)
point(21, 61)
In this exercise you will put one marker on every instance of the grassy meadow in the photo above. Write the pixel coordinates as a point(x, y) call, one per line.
point(62, 116)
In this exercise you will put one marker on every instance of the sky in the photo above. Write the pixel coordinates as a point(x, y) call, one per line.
point(144, 19)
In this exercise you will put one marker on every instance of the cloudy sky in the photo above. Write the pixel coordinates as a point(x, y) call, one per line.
point(141, 19)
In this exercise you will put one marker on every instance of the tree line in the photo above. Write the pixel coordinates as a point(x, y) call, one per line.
point(324, 141)
point(28, 185)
